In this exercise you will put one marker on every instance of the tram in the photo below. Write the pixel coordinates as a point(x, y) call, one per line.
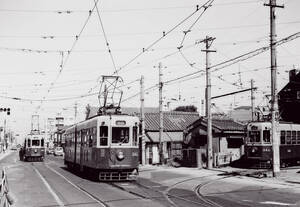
point(105, 146)
point(33, 148)
point(258, 146)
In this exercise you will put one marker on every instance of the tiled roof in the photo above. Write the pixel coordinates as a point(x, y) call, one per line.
point(220, 124)
point(172, 121)
point(228, 124)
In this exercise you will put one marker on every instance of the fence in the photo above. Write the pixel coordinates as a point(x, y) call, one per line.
point(5, 199)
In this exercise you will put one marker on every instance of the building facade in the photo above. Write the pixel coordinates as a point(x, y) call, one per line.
point(228, 141)
point(289, 99)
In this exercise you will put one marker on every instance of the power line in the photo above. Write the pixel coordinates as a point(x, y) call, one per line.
point(64, 61)
point(106, 40)
point(164, 35)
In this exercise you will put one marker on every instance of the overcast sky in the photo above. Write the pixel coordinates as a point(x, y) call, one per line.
point(35, 36)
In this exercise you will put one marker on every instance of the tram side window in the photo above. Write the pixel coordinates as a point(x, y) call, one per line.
point(94, 136)
point(103, 135)
point(282, 137)
point(120, 135)
point(298, 137)
point(288, 137)
point(29, 143)
point(294, 137)
point(266, 136)
point(42, 142)
point(91, 135)
point(134, 136)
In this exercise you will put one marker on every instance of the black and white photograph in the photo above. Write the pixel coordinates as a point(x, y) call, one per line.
point(149, 103)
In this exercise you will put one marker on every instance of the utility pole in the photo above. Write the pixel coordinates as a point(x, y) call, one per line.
point(208, 41)
point(75, 112)
point(274, 100)
point(161, 119)
point(142, 121)
point(252, 100)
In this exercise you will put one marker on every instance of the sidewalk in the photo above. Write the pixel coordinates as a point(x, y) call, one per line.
point(4, 154)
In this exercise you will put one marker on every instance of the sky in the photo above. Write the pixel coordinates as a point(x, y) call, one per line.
point(45, 69)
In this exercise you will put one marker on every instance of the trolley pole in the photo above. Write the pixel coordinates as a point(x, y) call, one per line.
point(142, 121)
point(252, 100)
point(274, 100)
point(161, 119)
point(208, 41)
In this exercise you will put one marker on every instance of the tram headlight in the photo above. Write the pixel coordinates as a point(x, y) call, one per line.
point(35, 151)
point(120, 155)
point(254, 149)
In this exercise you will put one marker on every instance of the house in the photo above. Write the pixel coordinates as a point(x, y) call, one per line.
point(174, 124)
point(228, 140)
point(289, 98)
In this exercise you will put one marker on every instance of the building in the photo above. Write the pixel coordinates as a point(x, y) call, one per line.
point(289, 99)
point(174, 124)
point(228, 140)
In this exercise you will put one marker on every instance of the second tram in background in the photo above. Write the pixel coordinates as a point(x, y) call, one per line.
point(258, 146)
point(33, 148)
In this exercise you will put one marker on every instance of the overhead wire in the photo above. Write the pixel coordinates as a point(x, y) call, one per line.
point(163, 36)
point(64, 61)
point(106, 39)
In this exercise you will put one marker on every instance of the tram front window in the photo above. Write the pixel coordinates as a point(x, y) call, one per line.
point(35, 143)
point(254, 136)
point(266, 136)
point(120, 135)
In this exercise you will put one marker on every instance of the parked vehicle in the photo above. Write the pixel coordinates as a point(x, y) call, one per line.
point(258, 146)
point(58, 151)
point(50, 150)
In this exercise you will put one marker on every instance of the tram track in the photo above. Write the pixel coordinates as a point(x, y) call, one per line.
point(203, 201)
point(139, 190)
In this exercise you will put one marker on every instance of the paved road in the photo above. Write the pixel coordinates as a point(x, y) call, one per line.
point(48, 184)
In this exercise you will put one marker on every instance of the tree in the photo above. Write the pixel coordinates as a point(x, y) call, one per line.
point(190, 108)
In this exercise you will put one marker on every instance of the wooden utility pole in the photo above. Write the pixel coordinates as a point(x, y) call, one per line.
point(274, 100)
point(142, 121)
point(161, 119)
point(252, 100)
point(208, 41)
point(75, 112)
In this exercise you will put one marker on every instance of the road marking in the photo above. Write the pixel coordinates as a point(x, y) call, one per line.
point(277, 203)
point(58, 201)
point(75, 186)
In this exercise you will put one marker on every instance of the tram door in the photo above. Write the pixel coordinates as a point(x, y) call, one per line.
point(81, 149)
